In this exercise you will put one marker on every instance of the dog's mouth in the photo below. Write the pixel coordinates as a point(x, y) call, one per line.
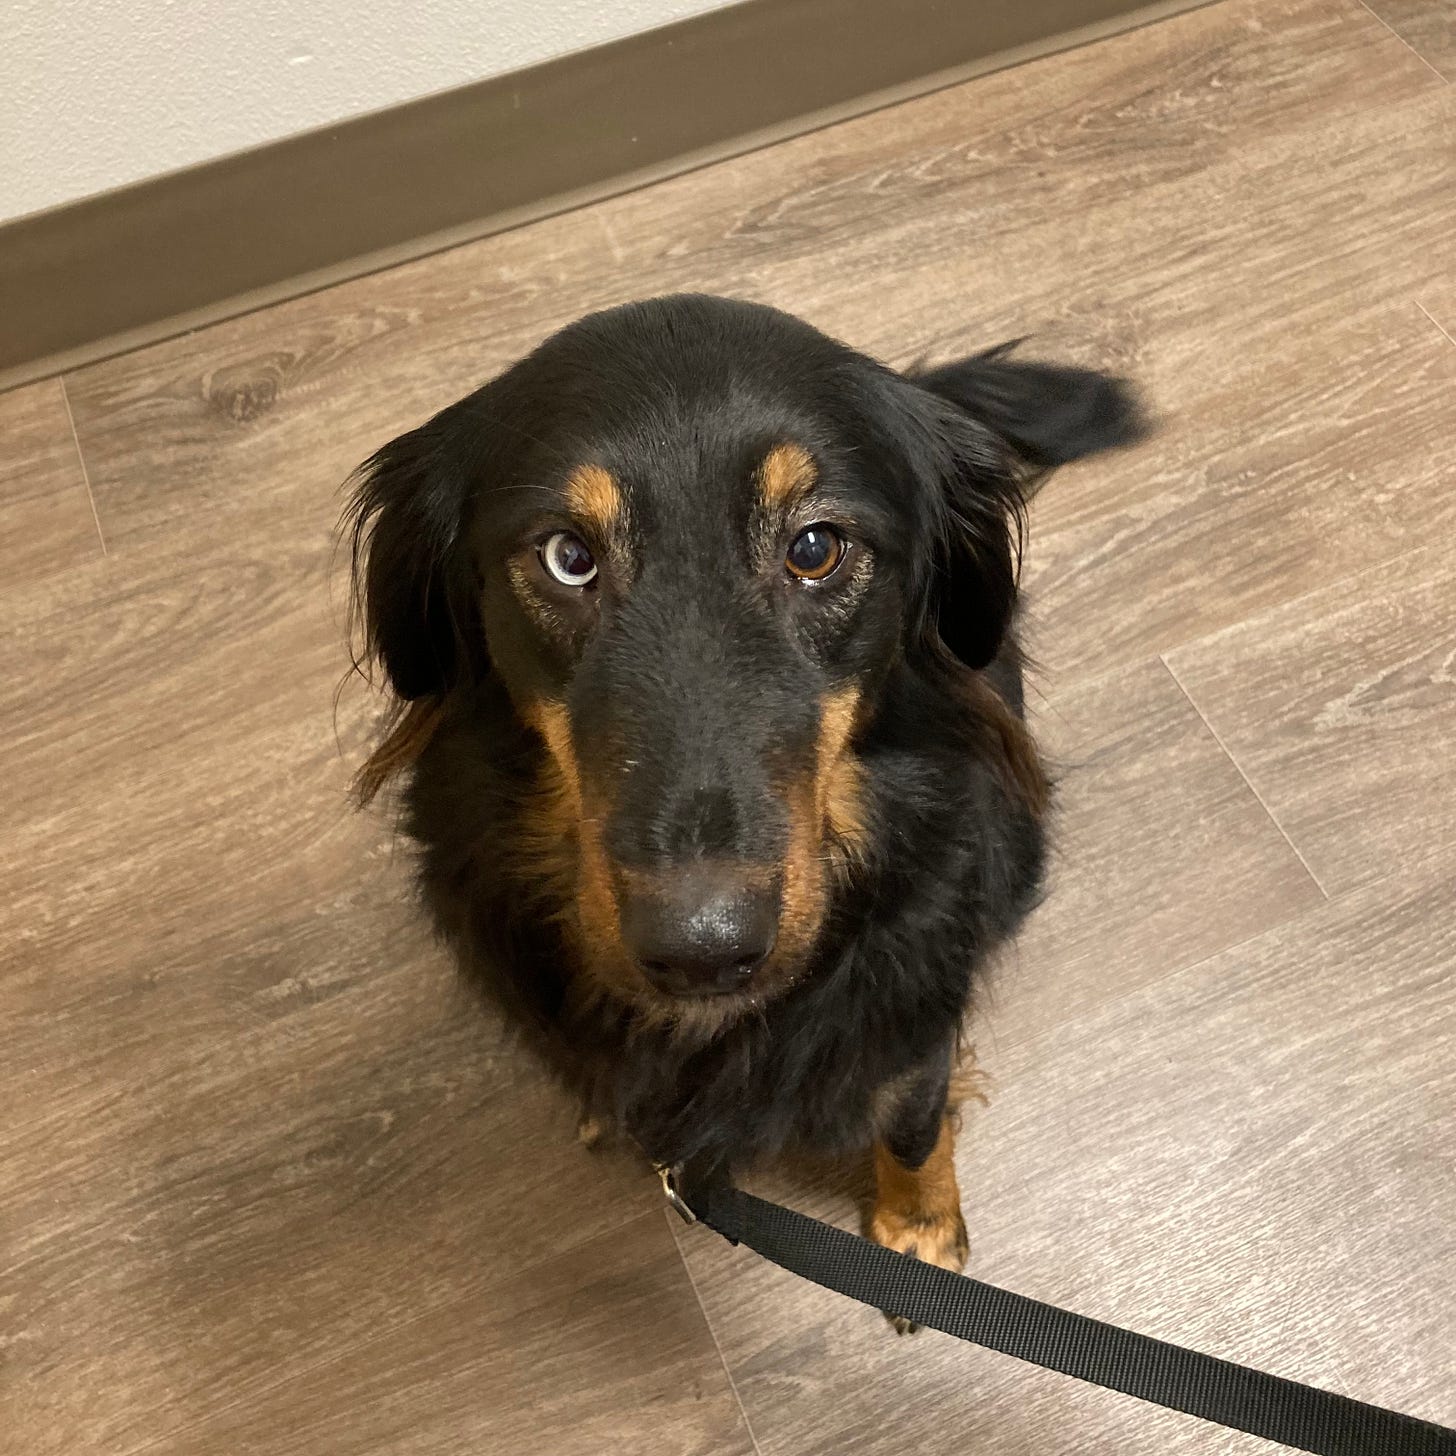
point(696, 1005)
point(699, 1016)
point(688, 982)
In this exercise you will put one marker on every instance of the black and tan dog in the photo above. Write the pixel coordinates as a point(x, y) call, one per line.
point(710, 714)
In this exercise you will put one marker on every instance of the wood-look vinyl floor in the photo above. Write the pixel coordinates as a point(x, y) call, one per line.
point(270, 1182)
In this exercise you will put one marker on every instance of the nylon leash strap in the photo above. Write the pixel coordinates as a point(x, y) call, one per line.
point(1244, 1399)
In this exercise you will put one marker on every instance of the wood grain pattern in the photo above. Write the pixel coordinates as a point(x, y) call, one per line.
point(601, 1350)
point(1193, 212)
point(1310, 463)
point(1243, 1157)
point(46, 520)
point(316, 1144)
point(183, 744)
point(252, 1122)
point(1162, 856)
point(273, 1183)
point(1427, 26)
point(1341, 710)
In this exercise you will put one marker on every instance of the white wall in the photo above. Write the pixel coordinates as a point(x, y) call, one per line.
point(98, 93)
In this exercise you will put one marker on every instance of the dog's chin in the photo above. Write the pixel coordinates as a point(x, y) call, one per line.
point(703, 1018)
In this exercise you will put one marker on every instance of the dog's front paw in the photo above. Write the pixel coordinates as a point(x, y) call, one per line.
point(935, 1237)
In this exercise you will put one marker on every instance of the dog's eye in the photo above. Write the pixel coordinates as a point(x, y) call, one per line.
point(815, 553)
point(565, 556)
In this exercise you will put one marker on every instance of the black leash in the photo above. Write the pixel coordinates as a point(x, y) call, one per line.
point(1184, 1380)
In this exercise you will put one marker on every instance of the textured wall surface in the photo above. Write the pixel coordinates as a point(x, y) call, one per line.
point(98, 93)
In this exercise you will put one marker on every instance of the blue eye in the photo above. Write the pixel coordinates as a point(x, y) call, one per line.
point(565, 556)
point(815, 553)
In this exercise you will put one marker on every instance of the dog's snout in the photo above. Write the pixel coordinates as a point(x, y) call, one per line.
point(701, 930)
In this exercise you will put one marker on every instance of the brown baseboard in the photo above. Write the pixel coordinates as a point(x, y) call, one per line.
point(138, 264)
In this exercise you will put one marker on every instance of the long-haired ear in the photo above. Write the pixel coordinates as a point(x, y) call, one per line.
point(411, 582)
point(1002, 426)
point(1048, 414)
point(981, 525)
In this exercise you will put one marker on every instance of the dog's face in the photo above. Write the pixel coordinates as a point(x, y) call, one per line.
point(693, 539)
point(691, 604)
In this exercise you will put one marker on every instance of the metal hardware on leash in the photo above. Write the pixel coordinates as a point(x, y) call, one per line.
point(668, 1174)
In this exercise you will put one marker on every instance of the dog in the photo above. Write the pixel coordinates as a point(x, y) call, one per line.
point(701, 634)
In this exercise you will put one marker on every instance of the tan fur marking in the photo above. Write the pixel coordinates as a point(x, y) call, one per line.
point(549, 818)
point(561, 837)
point(785, 476)
point(839, 785)
point(826, 824)
point(917, 1211)
point(411, 727)
point(593, 1131)
point(595, 499)
point(844, 811)
point(804, 894)
point(551, 722)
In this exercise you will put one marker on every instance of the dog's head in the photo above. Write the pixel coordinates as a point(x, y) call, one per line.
point(694, 538)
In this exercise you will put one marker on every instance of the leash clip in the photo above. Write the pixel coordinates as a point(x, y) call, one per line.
point(668, 1173)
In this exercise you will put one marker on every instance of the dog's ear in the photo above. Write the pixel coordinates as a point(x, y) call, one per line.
point(411, 588)
point(977, 526)
point(1000, 426)
point(1048, 414)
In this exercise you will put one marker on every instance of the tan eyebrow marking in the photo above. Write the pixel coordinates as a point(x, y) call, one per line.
point(786, 475)
point(595, 498)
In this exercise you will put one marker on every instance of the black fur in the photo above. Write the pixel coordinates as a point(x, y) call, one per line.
point(694, 689)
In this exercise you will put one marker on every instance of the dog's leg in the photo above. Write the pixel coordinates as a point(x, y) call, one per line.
point(917, 1208)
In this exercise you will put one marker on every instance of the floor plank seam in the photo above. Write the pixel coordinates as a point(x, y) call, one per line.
point(1348, 579)
point(1444, 332)
point(81, 460)
point(1273, 817)
point(717, 1343)
point(1381, 19)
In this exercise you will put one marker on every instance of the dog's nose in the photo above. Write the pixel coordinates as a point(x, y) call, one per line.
point(701, 930)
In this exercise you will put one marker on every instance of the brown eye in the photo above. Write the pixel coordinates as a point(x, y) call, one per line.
point(565, 556)
point(815, 553)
